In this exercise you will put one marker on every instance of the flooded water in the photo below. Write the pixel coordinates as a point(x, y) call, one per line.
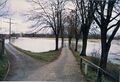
point(46, 44)
point(35, 44)
point(94, 47)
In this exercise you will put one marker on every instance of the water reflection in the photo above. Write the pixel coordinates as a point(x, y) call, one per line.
point(94, 46)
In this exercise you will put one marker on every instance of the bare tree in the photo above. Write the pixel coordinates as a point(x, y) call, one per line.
point(86, 9)
point(71, 26)
point(107, 16)
point(49, 16)
point(74, 27)
point(77, 28)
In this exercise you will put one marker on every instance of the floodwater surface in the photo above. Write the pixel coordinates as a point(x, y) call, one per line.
point(94, 47)
point(35, 44)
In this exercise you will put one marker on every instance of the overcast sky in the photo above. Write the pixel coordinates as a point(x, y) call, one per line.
point(17, 8)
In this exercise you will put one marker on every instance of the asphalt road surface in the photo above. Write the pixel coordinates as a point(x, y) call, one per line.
point(25, 68)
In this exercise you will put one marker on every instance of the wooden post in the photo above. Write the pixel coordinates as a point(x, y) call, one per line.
point(3, 42)
point(99, 75)
point(1, 47)
point(86, 67)
point(80, 63)
point(119, 75)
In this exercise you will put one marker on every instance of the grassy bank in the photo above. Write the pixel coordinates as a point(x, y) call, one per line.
point(3, 66)
point(113, 69)
point(45, 56)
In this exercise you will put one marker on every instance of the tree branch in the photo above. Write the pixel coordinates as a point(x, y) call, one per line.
point(97, 21)
point(114, 32)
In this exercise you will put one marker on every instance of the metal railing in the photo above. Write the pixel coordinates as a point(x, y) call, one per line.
point(107, 75)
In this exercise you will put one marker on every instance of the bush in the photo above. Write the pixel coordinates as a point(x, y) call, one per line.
point(3, 66)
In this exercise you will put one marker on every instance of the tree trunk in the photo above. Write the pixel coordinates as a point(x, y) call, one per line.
point(84, 40)
point(62, 41)
point(104, 53)
point(84, 46)
point(70, 41)
point(56, 41)
point(76, 44)
point(62, 36)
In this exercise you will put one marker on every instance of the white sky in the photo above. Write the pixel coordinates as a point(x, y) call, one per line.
point(17, 8)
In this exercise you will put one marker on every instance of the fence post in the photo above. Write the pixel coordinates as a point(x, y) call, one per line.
point(99, 75)
point(119, 75)
point(86, 67)
point(80, 63)
point(3, 42)
point(1, 48)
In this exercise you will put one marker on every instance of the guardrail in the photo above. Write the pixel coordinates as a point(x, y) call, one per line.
point(98, 69)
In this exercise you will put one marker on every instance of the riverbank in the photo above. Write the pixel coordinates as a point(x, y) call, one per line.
point(113, 69)
point(45, 56)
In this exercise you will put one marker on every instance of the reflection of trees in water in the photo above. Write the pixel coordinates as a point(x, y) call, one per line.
point(96, 53)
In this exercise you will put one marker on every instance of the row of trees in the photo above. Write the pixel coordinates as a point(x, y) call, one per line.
point(104, 14)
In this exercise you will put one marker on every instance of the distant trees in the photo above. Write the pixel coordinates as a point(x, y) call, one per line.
point(70, 28)
point(73, 27)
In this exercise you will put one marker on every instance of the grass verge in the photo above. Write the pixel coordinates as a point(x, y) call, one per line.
point(113, 69)
point(45, 56)
point(3, 66)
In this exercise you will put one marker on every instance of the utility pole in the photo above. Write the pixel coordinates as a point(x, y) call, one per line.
point(9, 29)
point(10, 26)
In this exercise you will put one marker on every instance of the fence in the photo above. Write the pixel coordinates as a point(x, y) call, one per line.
point(92, 69)
point(1, 48)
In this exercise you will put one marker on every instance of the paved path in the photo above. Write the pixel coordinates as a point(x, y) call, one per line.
point(21, 65)
point(64, 69)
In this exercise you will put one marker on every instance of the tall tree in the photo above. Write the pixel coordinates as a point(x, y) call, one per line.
point(49, 16)
point(71, 24)
point(77, 29)
point(107, 16)
point(86, 9)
